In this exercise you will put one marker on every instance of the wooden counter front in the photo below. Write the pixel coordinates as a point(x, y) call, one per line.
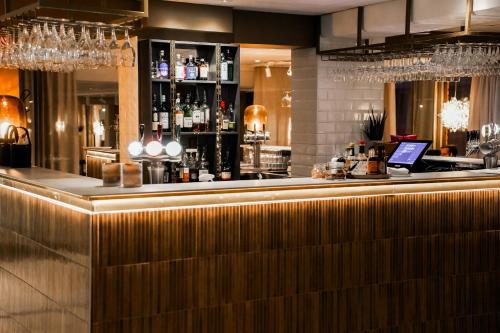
point(421, 261)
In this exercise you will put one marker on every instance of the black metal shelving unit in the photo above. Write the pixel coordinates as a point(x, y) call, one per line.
point(229, 91)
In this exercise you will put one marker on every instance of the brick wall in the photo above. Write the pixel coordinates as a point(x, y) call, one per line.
point(326, 115)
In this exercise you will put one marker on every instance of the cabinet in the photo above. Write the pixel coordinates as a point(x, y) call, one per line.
point(216, 141)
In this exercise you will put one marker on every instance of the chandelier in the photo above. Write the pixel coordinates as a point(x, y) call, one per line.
point(455, 114)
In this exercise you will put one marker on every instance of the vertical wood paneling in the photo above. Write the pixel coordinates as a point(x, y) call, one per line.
point(44, 266)
point(411, 263)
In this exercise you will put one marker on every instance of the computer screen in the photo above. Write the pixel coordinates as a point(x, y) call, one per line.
point(407, 153)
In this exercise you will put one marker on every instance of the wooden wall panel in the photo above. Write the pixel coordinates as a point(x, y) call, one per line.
point(44, 266)
point(410, 263)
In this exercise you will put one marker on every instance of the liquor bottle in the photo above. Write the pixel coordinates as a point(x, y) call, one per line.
point(188, 114)
point(373, 163)
point(156, 117)
point(206, 111)
point(184, 169)
point(382, 166)
point(225, 118)
point(361, 153)
point(230, 115)
point(226, 168)
point(197, 64)
point(191, 69)
point(193, 167)
point(163, 66)
point(179, 68)
point(197, 117)
point(230, 66)
point(154, 70)
point(203, 168)
point(223, 68)
point(203, 69)
point(179, 114)
point(164, 115)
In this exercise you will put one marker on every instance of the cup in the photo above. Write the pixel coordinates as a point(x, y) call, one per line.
point(156, 173)
point(111, 174)
point(132, 174)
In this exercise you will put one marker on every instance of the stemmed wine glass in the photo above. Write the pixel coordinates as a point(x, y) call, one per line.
point(128, 52)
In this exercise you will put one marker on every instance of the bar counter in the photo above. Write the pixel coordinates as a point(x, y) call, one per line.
point(413, 254)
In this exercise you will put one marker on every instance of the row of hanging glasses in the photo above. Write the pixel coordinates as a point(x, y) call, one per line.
point(445, 63)
point(64, 46)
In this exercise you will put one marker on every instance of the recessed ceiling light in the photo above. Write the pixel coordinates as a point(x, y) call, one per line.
point(257, 61)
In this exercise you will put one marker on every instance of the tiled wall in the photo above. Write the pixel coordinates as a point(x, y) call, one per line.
point(326, 115)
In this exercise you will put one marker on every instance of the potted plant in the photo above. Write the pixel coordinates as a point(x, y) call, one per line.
point(373, 127)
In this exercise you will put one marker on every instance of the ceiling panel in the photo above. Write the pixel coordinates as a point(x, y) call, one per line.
point(307, 7)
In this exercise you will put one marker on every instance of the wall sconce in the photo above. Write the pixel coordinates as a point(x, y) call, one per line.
point(289, 71)
point(12, 111)
point(255, 118)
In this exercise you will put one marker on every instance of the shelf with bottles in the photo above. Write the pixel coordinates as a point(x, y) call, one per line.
point(195, 62)
point(231, 155)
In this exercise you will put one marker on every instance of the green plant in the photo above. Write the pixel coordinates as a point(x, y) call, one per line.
point(373, 127)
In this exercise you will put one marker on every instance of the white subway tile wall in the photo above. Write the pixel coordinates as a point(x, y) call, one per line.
point(326, 115)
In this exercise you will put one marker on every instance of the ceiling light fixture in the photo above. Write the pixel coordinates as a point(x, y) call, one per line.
point(268, 71)
point(455, 114)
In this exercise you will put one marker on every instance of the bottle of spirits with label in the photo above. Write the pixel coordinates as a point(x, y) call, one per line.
point(205, 109)
point(184, 168)
point(230, 66)
point(197, 64)
point(191, 69)
point(204, 69)
point(225, 119)
point(154, 70)
point(188, 114)
point(230, 115)
point(179, 68)
point(163, 66)
point(156, 117)
point(203, 168)
point(164, 115)
point(373, 163)
point(179, 114)
point(226, 168)
point(192, 164)
point(197, 117)
point(382, 164)
point(223, 68)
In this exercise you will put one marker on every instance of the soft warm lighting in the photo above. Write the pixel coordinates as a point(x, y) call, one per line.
point(268, 71)
point(255, 117)
point(98, 127)
point(455, 114)
point(173, 149)
point(135, 148)
point(60, 126)
point(3, 128)
point(154, 148)
point(5, 104)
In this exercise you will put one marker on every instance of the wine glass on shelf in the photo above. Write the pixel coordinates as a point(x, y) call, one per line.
point(115, 50)
point(127, 52)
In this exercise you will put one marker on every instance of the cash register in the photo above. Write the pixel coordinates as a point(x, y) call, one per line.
point(407, 156)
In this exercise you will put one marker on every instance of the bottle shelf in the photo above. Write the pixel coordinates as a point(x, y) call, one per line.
point(230, 82)
point(161, 80)
point(195, 82)
point(201, 133)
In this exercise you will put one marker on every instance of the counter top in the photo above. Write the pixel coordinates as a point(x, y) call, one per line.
point(88, 193)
